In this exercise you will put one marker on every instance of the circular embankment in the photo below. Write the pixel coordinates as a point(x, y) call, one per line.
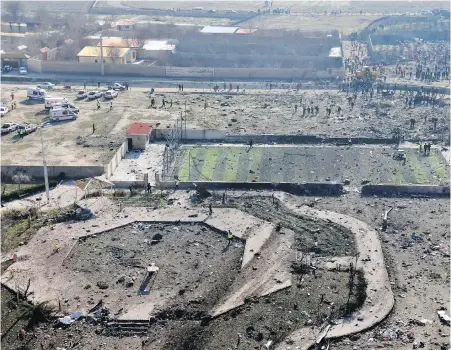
point(265, 282)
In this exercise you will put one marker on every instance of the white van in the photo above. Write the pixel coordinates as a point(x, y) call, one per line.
point(36, 94)
point(66, 105)
point(62, 114)
point(50, 101)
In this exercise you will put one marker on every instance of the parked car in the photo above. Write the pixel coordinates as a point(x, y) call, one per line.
point(36, 94)
point(110, 94)
point(66, 105)
point(8, 127)
point(62, 114)
point(6, 68)
point(116, 86)
point(81, 95)
point(23, 71)
point(51, 101)
point(45, 85)
point(28, 128)
point(3, 111)
point(230, 11)
point(92, 95)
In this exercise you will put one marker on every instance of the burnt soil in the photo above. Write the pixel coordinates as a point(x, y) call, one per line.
point(311, 235)
point(191, 260)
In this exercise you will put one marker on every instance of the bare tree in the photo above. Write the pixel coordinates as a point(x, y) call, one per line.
point(136, 39)
point(20, 178)
point(113, 52)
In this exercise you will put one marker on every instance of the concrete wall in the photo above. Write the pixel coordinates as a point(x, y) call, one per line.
point(70, 67)
point(54, 171)
point(114, 162)
point(302, 139)
point(139, 141)
point(160, 71)
point(190, 134)
point(308, 189)
point(34, 65)
point(400, 190)
point(110, 60)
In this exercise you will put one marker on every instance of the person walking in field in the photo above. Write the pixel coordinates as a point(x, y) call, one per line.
point(111, 105)
point(98, 105)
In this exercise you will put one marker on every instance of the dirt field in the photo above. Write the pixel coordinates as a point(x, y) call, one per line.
point(66, 142)
point(296, 164)
point(299, 6)
point(343, 23)
point(254, 112)
point(192, 276)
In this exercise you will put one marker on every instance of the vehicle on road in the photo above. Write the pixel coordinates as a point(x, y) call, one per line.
point(3, 111)
point(81, 95)
point(92, 95)
point(50, 101)
point(116, 86)
point(66, 105)
point(8, 127)
point(36, 94)
point(6, 69)
point(110, 94)
point(230, 11)
point(197, 9)
point(23, 71)
point(62, 114)
point(45, 85)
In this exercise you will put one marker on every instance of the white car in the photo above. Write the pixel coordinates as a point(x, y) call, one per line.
point(92, 95)
point(81, 95)
point(3, 111)
point(23, 71)
point(62, 114)
point(116, 86)
point(28, 128)
point(45, 85)
point(8, 127)
point(66, 105)
point(110, 94)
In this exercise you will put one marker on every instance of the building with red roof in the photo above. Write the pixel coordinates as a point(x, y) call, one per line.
point(139, 135)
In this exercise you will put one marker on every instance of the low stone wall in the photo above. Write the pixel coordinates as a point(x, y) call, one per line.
point(405, 190)
point(190, 134)
point(306, 189)
point(127, 184)
point(55, 171)
point(309, 139)
point(114, 162)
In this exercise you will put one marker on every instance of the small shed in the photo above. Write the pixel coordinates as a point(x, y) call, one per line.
point(138, 135)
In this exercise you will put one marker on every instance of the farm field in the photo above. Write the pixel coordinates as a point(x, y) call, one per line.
point(309, 164)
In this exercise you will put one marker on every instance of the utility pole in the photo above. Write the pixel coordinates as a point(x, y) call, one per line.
point(102, 67)
point(44, 163)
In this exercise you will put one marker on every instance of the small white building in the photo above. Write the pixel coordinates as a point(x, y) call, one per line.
point(157, 49)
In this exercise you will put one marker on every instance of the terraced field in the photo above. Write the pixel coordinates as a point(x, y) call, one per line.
point(309, 164)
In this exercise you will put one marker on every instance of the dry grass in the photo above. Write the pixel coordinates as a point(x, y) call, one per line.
point(343, 23)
